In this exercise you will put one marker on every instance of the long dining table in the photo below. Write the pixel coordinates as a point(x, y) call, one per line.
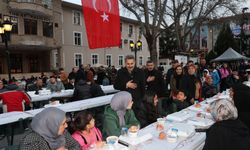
point(45, 95)
point(184, 120)
point(10, 117)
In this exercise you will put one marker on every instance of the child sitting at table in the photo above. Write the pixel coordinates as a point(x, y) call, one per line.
point(179, 101)
point(85, 132)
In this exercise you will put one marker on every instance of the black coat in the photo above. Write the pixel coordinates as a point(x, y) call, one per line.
point(84, 90)
point(242, 102)
point(189, 86)
point(227, 135)
point(157, 85)
point(138, 77)
point(80, 75)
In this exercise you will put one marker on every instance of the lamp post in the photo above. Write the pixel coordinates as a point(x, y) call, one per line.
point(134, 48)
point(212, 32)
point(5, 29)
point(242, 34)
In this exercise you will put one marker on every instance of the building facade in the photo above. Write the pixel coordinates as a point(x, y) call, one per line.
point(48, 34)
point(206, 35)
point(75, 47)
point(35, 36)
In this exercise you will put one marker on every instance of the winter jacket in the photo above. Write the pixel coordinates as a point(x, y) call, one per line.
point(157, 85)
point(13, 98)
point(178, 105)
point(138, 77)
point(176, 83)
point(84, 90)
point(227, 135)
point(208, 90)
point(216, 77)
point(34, 141)
point(111, 125)
point(58, 86)
point(87, 140)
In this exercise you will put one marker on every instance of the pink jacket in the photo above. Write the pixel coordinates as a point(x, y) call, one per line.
point(86, 141)
point(224, 72)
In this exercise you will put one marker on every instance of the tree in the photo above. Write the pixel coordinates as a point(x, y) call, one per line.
point(225, 40)
point(150, 14)
point(167, 43)
point(182, 15)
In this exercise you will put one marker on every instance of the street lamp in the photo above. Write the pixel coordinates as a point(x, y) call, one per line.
point(242, 34)
point(134, 48)
point(5, 29)
point(212, 32)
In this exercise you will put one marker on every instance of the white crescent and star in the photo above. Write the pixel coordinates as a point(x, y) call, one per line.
point(104, 16)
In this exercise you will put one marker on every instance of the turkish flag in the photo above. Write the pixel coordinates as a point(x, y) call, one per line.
point(102, 21)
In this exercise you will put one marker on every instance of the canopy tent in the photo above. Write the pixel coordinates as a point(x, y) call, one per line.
point(230, 55)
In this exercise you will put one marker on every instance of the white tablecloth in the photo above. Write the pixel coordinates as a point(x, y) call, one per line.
point(194, 141)
point(65, 93)
point(79, 105)
point(14, 116)
point(10, 117)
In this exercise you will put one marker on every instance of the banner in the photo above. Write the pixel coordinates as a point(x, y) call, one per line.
point(102, 21)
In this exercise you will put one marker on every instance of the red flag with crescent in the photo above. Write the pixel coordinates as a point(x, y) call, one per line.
point(102, 21)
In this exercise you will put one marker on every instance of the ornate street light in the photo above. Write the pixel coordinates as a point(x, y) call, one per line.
point(134, 48)
point(5, 29)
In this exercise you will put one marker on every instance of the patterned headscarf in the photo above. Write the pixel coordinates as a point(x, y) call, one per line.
point(47, 123)
point(119, 103)
point(223, 109)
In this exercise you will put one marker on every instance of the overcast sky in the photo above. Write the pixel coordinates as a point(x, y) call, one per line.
point(246, 4)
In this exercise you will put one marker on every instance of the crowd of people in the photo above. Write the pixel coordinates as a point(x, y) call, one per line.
point(145, 95)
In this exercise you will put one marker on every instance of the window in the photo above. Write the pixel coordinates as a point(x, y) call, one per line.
point(47, 3)
point(78, 60)
point(30, 26)
point(120, 46)
point(130, 30)
point(120, 27)
point(120, 60)
point(109, 59)
point(48, 29)
point(78, 38)
point(56, 60)
point(140, 60)
point(34, 64)
point(14, 20)
point(94, 58)
point(140, 31)
point(149, 58)
point(76, 17)
point(16, 63)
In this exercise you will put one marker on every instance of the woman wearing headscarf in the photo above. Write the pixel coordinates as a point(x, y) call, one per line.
point(240, 94)
point(48, 132)
point(227, 132)
point(119, 114)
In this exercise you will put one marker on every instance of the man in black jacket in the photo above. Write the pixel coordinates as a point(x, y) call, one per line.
point(131, 79)
point(154, 79)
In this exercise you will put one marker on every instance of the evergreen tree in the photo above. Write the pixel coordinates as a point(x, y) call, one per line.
point(225, 40)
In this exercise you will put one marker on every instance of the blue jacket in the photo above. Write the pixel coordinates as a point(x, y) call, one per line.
point(216, 78)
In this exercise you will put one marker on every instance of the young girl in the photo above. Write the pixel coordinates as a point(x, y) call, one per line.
point(85, 132)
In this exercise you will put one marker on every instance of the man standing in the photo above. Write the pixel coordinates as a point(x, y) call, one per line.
point(131, 79)
point(154, 80)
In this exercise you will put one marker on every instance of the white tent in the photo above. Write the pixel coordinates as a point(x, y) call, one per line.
point(230, 55)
